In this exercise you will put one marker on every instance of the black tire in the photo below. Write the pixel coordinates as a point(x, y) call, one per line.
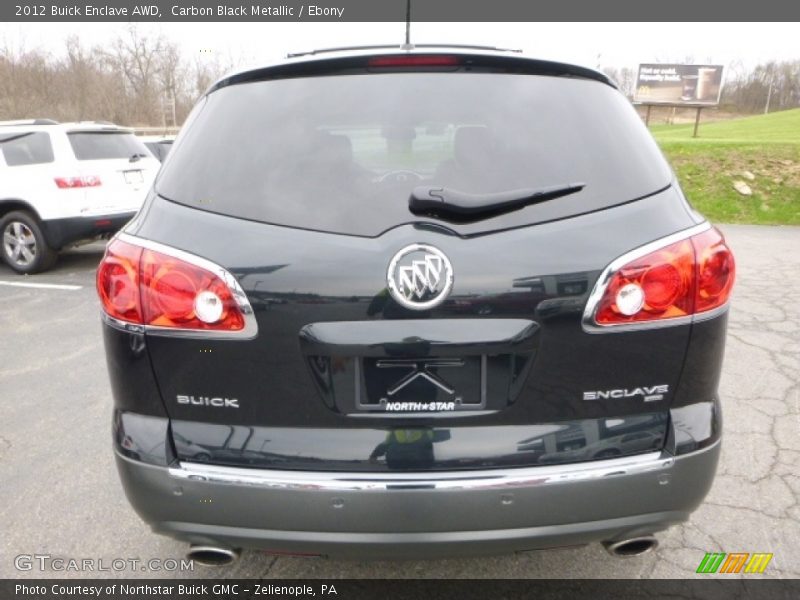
point(23, 245)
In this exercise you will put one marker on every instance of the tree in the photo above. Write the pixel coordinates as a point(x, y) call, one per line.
point(778, 81)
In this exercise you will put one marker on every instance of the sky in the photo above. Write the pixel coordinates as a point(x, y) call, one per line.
point(589, 44)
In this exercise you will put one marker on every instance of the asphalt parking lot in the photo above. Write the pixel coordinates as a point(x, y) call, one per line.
point(60, 495)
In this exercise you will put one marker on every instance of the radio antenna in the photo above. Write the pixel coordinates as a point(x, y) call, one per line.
point(408, 45)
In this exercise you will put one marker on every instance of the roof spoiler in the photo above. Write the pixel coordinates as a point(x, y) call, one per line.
point(309, 66)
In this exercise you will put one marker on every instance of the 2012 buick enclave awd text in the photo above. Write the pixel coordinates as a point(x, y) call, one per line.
point(405, 303)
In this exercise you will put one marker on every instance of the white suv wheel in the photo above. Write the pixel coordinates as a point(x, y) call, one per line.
point(19, 244)
point(24, 246)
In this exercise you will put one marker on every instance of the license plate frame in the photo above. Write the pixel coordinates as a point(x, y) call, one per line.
point(133, 176)
point(430, 385)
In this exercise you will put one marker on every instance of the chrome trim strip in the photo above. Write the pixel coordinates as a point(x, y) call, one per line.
point(122, 325)
point(711, 314)
point(250, 325)
point(450, 480)
point(588, 322)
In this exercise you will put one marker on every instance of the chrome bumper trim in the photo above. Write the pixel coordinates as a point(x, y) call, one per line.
point(450, 480)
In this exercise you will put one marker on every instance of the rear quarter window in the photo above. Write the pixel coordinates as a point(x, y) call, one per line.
point(20, 149)
point(342, 153)
point(101, 145)
point(159, 149)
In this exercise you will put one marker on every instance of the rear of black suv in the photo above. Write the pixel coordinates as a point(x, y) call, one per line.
point(413, 304)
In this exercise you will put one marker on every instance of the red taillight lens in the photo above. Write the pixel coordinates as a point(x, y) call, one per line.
point(662, 285)
point(118, 282)
point(150, 288)
point(414, 60)
point(716, 270)
point(665, 278)
point(171, 292)
point(66, 183)
point(686, 277)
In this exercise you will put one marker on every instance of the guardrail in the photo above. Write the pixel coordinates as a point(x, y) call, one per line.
point(155, 130)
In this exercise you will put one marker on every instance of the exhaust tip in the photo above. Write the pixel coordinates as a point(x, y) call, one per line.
point(212, 556)
point(631, 547)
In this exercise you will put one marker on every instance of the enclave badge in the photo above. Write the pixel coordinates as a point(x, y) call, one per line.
point(419, 277)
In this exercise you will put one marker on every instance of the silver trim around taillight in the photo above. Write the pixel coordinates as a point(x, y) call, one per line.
point(588, 321)
point(250, 329)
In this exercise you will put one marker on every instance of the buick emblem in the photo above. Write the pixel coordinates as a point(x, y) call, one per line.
point(419, 277)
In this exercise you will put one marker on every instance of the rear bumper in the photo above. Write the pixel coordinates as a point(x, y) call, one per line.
point(63, 232)
point(420, 515)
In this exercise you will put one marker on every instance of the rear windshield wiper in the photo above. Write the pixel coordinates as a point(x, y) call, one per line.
point(461, 207)
point(135, 157)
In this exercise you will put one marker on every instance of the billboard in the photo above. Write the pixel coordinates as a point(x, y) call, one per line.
point(679, 84)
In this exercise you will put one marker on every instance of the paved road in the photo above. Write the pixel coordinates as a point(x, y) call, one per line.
point(59, 492)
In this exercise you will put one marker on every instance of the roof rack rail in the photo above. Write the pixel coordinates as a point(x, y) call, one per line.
point(28, 122)
point(403, 47)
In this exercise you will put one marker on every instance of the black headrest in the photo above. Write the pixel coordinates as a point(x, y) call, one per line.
point(333, 149)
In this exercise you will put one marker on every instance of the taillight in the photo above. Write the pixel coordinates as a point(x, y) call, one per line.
point(678, 280)
point(157, 289)
point(179, 294)
point(662, 283)
point(82, 181)
point(716, 270)
point(118, 282)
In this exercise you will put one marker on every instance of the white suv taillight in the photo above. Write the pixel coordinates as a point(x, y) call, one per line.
point(663, 283)
point(164, 289)
point(82, 181)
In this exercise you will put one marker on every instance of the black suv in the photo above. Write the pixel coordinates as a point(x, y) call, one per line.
point(409, 303)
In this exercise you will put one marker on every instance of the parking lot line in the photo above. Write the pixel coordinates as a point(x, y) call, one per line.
point(51, 286)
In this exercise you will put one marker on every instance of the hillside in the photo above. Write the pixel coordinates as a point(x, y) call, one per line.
point(762, 152)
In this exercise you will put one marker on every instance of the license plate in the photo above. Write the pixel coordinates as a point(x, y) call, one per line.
point(420, 385)
point(132, 177)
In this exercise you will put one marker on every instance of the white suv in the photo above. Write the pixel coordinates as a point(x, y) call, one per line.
point(61, 183)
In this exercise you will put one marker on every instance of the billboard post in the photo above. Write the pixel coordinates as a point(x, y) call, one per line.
point(691, 86)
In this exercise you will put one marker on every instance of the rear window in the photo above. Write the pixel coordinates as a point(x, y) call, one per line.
point(343, 153)
point(100, 145)
point(20, 149)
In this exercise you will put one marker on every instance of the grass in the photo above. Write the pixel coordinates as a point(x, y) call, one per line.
point(767, 146)
point(775, 128)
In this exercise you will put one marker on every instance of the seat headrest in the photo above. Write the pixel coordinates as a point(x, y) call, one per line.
point(333, 149)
